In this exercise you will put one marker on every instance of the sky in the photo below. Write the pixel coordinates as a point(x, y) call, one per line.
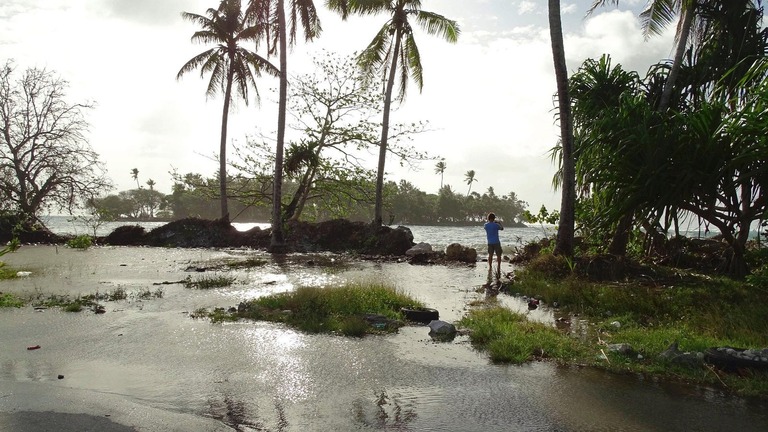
point(488, 98)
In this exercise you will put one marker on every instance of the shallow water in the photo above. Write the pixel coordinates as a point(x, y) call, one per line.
point(248, 376)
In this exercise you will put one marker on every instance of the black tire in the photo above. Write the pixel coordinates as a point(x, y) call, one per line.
point(420, 315)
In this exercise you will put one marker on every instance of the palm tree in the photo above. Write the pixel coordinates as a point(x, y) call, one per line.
point(469, 178)
point(135, 176)
point(228, 64)
point(392, 50)
point(565, 231)
point(302, 13)
point(655, 18)
point(440, 169)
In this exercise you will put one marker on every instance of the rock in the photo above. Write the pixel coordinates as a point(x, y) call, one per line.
point(616, 325)
point(421, 248)
point(441, 327)
point(442, 331)
point(621, 348)
point(457, 252)
point(688, 359)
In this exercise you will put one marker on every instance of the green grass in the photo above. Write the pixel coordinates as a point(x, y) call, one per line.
point(209, 282)
point(6, 272)
point(82, 242)
point(509, 338)
point(653, 310)
point(8, 300)
point(333, 310)
point(92, 301)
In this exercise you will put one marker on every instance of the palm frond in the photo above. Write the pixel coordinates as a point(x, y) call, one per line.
point(195, 62)
point(658, 15)
point(598, 3)
point(436, 24)
point(372, 57)
point(413, 61)
point(368, 7)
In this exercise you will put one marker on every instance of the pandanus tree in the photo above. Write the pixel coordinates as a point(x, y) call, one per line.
point(230, 65)
point(282, 28)
point(703, 159)
point(394, 55)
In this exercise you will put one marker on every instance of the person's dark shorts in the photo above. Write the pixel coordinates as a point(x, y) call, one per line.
point(494, 248)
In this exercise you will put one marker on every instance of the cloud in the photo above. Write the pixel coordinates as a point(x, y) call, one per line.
point(526, 7)
point(149, 12)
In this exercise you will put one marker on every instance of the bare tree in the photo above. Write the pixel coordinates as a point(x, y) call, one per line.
point(45, 160)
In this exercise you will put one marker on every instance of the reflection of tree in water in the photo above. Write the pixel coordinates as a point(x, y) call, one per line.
point(234, 414)
point(389, 414)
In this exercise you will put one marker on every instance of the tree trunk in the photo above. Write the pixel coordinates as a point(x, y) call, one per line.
point(687, 20)
point(565, 231)
point(277, 241)
point(377, 216)
point(223, 146)
point(620, 238)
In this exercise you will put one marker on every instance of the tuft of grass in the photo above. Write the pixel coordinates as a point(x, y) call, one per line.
point(509, 338)
point(337, 309)
point(82, 242)
point(6, 272)
point(8, 300)
point(248, 263)
point(146, 294)
point(209, 282)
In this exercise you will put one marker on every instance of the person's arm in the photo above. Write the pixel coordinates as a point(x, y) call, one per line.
point(501, 228)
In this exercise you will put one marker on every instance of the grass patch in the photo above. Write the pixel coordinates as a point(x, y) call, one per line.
point(209, 282)
point(82, 242)
point(8, 300)
point(509, 338)
point(336, 310)
point(648, 311)
point(249, 263)
point(6, 272)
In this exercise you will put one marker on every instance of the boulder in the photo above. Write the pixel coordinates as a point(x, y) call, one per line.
point(441, 327)
point(457, 252)
point(419, 249)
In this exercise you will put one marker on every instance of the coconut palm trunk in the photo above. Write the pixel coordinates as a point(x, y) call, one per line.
point(686, 21)
point(565, 230)
point(378, 219)
point(277, 241)
point(223, 145)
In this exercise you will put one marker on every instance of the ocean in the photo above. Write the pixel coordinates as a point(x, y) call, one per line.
point(437, 236)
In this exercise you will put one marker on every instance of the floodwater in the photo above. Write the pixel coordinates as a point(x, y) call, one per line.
point(146, 365)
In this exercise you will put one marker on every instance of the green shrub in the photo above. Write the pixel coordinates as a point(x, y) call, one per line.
point(81, 242)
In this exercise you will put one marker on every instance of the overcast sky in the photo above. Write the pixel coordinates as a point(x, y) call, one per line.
point(488, 98)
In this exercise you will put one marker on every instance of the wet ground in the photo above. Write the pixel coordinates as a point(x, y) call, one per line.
point(145, 365)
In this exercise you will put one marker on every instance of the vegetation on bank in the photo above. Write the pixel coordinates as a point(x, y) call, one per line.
point(78, 303)
point(648, 310)
point(353, 309)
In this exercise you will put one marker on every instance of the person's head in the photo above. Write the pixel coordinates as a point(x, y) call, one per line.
point(491, 217)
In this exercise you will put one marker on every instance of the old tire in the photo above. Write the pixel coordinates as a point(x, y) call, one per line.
point(420, 315)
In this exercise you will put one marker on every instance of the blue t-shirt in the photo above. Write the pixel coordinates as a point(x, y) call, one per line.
point(492, 232)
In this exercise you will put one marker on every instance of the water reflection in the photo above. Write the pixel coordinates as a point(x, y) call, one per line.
point(386, 412)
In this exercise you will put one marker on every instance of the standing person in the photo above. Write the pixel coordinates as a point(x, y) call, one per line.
point(492, 228)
